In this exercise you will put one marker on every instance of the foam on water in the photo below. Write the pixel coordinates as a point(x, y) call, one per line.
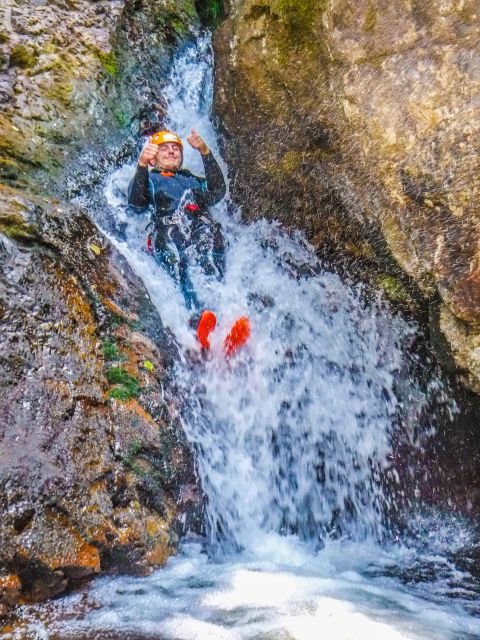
point(282, 591)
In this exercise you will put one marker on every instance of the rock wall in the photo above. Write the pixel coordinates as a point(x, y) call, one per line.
point(359, 122)
point(76, 73)
point(94, 467)
point(95, 471)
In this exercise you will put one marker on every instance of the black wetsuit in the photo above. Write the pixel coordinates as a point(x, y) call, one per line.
point(183, 232)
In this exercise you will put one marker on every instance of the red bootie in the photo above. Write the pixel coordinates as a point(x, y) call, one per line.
point(208, 322)
point(239, 334)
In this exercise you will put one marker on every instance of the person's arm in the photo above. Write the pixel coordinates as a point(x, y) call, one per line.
point(213, 188)
point(215, 182)
point(138, 192)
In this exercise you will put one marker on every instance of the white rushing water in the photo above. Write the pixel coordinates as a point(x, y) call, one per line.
point(293, 437)
point(294, 432)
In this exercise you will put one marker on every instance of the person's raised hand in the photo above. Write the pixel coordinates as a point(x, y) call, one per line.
point(147, 157)
point(195, 141)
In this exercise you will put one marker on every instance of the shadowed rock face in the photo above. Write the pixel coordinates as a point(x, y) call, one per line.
point(359, 122)
point(95, 471)
point(94, 468)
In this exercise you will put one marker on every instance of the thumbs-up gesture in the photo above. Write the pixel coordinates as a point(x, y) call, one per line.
point(147, 157)
point(195, 141)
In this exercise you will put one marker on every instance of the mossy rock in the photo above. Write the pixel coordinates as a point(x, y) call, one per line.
point(370, 18)
point(9, 169)
point(123, 117)
point(125, 386)
point(110, 350)
point(172, 24)
point(394, 290)
point(21, 56)
point(299, 17)
point(109, 61)
point(211, 12)
point(15, 226)
point(61, 91)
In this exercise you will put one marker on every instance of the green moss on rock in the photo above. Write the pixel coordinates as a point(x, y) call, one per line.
point(171, 22)
point(109, 61)
point(176, 18)
point(125, 387)
point(110, 350)
point(61, 91)
point(134, 450)
point(370, 18)
point(299, 17)
point(9, 169)
point(122, 116)
point(210, 12)
point(21, 56)
point(15, 226)
point(394, 289)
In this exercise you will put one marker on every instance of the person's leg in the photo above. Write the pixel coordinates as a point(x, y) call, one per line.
point(168, 258)
point(186, 287)
point(219, 251)
point(210, 247)
point(173, 260)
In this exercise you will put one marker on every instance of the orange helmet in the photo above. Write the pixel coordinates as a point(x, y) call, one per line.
point(166, 136)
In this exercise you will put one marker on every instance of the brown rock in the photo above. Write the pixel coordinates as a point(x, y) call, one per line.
point(366, 114)
point(92, 460)
point(89, 479)
point(10, 586)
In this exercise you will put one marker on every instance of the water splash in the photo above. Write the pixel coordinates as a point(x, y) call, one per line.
point(293, 436)
point(295, 433)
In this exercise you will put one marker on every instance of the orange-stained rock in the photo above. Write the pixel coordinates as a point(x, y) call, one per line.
point(52, 540)
point(160, 551)
point(10, 586)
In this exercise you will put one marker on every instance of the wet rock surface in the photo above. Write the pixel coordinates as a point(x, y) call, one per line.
point(359, 122)
point(95, 471)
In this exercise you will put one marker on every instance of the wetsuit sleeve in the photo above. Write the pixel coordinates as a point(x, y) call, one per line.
point(215, 181)
point(138, 191)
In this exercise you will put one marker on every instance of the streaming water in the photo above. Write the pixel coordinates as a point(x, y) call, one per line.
point(294, 438)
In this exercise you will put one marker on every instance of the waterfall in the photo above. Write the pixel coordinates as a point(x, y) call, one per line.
point(294, 434)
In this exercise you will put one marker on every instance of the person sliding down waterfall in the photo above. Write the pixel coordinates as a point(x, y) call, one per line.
point(183, 234)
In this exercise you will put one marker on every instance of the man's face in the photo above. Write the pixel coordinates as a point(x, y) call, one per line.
point(169, 156)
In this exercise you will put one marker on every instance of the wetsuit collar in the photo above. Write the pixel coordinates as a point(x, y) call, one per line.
point(172, 172)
